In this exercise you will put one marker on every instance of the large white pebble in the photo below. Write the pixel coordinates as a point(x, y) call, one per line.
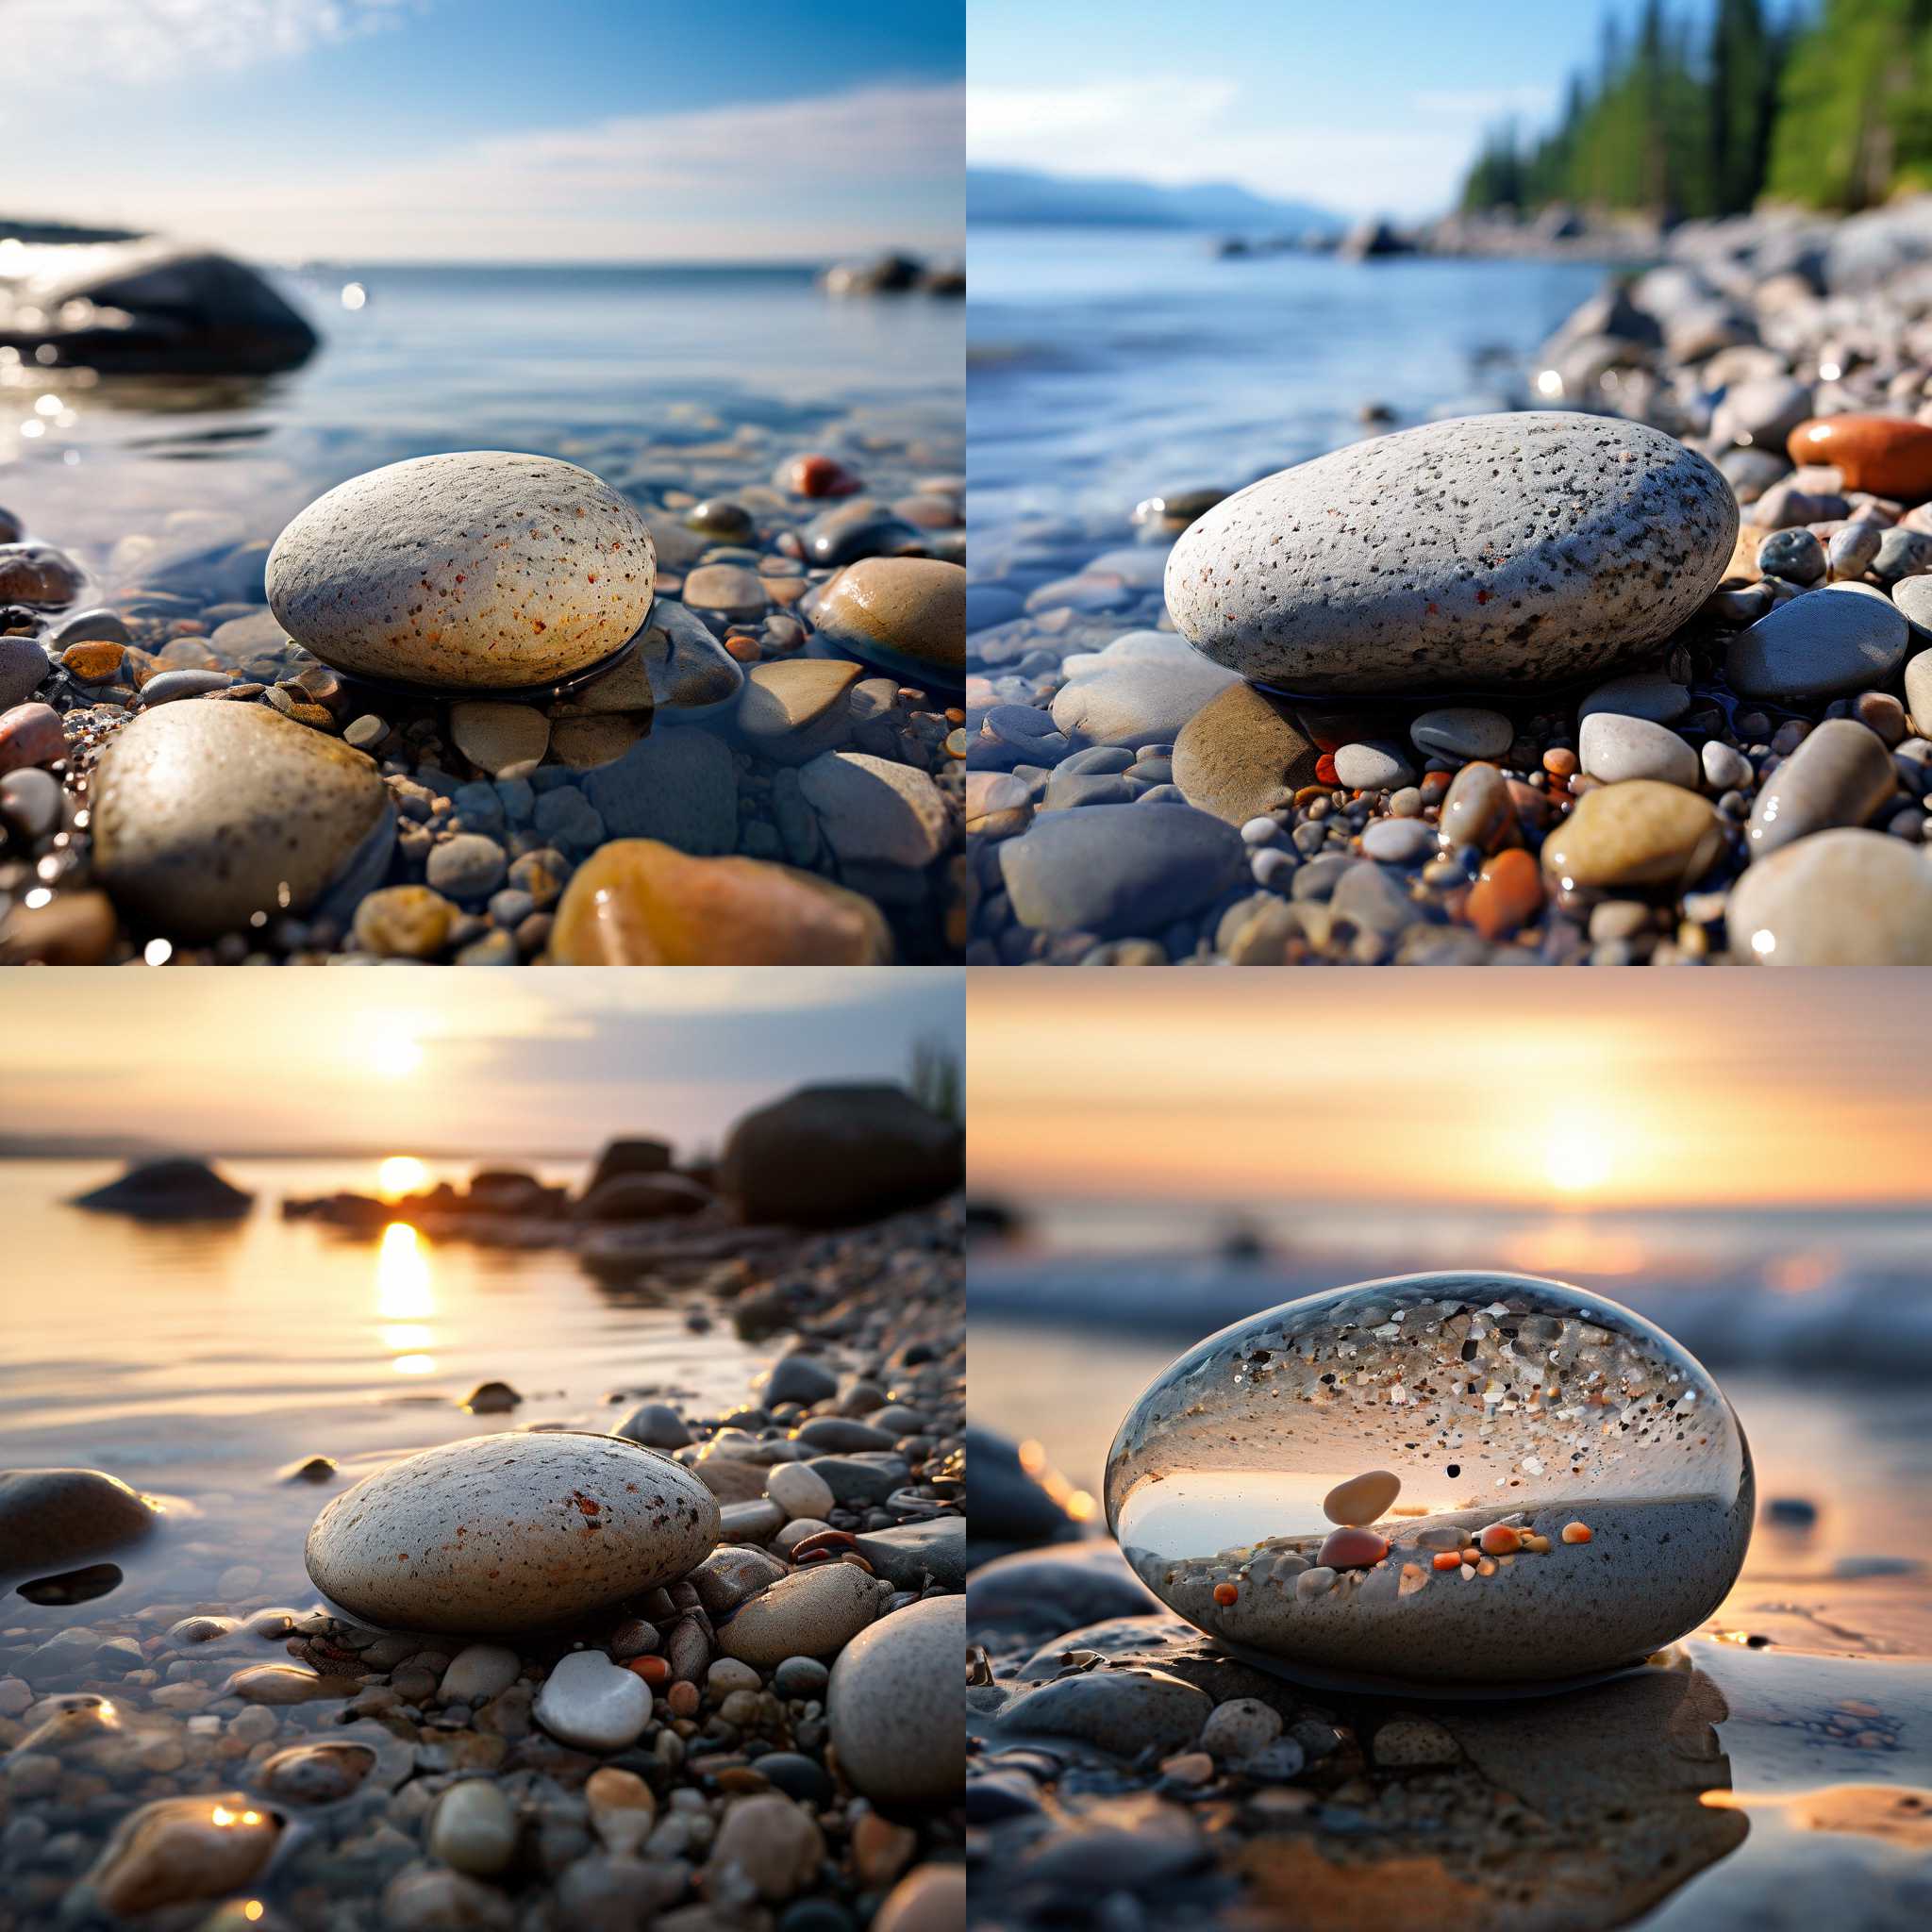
point(511, 1532)
point(480, 570)
point(591, 1703)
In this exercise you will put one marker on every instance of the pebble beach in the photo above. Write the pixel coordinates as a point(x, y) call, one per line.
point(1619, 665)
point(682, 1652)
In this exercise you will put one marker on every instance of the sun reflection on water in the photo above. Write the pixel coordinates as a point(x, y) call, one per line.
point(405, 1298)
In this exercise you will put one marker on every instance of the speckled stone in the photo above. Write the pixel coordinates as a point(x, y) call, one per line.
point(1638, 833)
point(637, 901)
point(1241, 755)
point(1839, 898)
point(480, 569)
point(1839, 776)
point(1844, 638)
point(905, 613)
point(507, 1532)
point(812, 1612)
point(206, 814)
point(1487, 552)
point(893, 1705)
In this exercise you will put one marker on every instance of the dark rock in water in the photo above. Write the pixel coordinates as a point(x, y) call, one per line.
point(174, 1189)
point(507, 1190)
point(1005, 1505)
point(51, 1516)
point(629, 1156)
point(644, 1197)
point(72, 1585)
point(151, 306)
point(884, 275)
point(492, 1398)
point(311, 1468)
point(857, 530)
point(830, 1157)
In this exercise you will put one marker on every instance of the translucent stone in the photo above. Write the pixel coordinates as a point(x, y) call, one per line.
point(1495, 1400)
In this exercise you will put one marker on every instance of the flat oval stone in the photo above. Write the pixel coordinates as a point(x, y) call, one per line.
point(1490, 552)
point(812, 1612)
point(1241, 755)
point(1638, 833)
point(893, 1705)
point(1843, 637)
point(1612, 746)
point(1120, 871)
point(1839, 898)
point(905, 613)
point(1839, 776)
point(1137, 691)
point(1462, 731)
point(206, 813)
point(511, 1532)
point(1888, 456)
point(1641, 694)
point(480, 570)
point(638, 902)
point(1362, 1498)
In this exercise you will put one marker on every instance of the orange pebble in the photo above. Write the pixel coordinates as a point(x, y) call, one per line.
point(1324, 770)
point(1353, 1549)
point(1226, 1593)
point(1577, 1532)
point(1448, 1559)
point(1559, 761)
point(1499, 1540)
point(1507, 894)
point(653, 1669)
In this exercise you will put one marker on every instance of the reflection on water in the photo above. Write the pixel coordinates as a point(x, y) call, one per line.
point(195, 1362)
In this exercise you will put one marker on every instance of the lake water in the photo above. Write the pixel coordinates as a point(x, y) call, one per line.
point(614, 368)
point(194, 1361)
point(1106, 367)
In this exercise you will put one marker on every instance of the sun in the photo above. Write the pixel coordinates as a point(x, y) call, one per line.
point(1575, 1159)
point(400, 1174)
point(395, 1051)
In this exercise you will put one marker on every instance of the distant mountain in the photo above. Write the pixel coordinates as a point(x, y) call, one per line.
point(1021, 196)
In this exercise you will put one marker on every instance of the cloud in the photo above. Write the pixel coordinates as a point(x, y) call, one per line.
point(153, 39)
point(799, 180)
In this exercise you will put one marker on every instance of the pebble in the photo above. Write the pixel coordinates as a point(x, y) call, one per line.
point(467, 867)
point(478, 1672)
point(637, 901)
point(1794, 555)
point(905, 613)
point(404, 922)
point(1838, 898)
point(622, 1808)
point(1138, 697)
point(1637, 833)
point(799, 1491)
point(1362, 1498)
point(176, 1851)
point(1122, 1710)
point(170, 687)
point(316, 1773)
point(591, 1703)
point(1363, 767)
point(23, 668)
point(1351, 1548)
point(1724, 767)
point(1399, 841)
point(812, 1612)
point(1410, 1742)
point(473, 570)
point(769, 1845)
point(1477, 809)
point(1238, 1728)
point(1840, 775)
point(893, 1705)
point(1508, 893)
point(1888, 456)
point(1242, 756)
point(679, 785)
point(386, 1550)
point(37, 573)
point(498, 738)
point(930, 1899)
point(474, 1828)
point(734, 594)
point(1843, 637)
point(207, 814)
point(1120, 871)
point(655, 1425)
point(1613, 746)
point(51, 1518)
point(874, 811)
point(30, 734)
point(1462, 731)
point(797, 708)
point(1351, 573)
point(1642, 694)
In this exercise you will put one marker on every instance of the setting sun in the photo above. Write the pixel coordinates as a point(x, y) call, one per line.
point(400, 1174)
point(1576, 1160)
point(395, 1051)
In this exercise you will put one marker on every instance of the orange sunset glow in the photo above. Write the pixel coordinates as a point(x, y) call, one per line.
point(1661, 1090)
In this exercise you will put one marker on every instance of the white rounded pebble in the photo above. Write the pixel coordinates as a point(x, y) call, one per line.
point(478, 1672)
point(799, 1491)
point(591, 1703)
point(1372, 768)
point(1313, 1583)
point(1613, 748)
point(1725, 768)
point(1399, 841)
point(474, 1828)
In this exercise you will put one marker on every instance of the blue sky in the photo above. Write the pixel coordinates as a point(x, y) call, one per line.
point(1370, 108)
point(494, 129)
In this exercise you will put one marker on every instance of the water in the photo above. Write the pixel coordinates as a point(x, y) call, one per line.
point(194, 1361)
point(1106, 367)
point(617, 368)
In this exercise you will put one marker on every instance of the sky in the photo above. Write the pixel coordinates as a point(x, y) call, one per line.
point(492, 130)
point(1639, 1089)
point(386, 1060)
point(1361, 109)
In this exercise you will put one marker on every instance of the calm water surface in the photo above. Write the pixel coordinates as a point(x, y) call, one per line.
point(195, 1361)
point(617, 368)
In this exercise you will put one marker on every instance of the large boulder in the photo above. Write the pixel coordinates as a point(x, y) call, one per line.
point(831, 1156)
point(173, 1190)
point(150, 307)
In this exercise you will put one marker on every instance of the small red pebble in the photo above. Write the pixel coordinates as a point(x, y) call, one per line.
point(814, 475)
point(1559, 761)
point(1352, 1549)
point(1577, 1532)
point(1508, 893)
point(682, 1700)
point(1226, 1593)
point(30, 735)
point(1324, 770)
point(1448, 1559)
point(1499, 1540)
point(653, 1669)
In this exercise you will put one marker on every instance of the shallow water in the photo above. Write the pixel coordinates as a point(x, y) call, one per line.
point(614, 368)
point(195, 1361)
point(1107, 367)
